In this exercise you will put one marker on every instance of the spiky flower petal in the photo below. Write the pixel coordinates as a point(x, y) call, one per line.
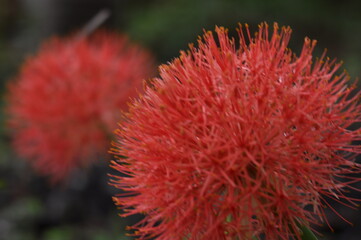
point(235, 141)
point(67, 99)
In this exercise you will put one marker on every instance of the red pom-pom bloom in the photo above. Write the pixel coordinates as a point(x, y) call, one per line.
point(66, 101)
point(234, 141)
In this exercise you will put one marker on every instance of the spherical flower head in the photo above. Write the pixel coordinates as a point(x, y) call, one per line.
point(67, 99)
point(235, 141)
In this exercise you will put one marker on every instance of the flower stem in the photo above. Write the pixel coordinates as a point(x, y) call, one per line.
point(307, 234)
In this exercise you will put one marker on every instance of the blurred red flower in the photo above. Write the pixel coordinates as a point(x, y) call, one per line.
point(66, 101)
point(233, 142)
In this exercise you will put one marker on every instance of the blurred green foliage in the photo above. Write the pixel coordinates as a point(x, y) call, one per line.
point(168, 26)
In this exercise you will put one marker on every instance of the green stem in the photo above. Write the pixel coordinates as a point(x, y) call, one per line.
point(307, 234)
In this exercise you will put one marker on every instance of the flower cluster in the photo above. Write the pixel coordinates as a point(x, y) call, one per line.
point(67, 99)
point(237, 140)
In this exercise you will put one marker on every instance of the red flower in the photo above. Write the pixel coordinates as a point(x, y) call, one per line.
point(67, 99)
point(233, 142)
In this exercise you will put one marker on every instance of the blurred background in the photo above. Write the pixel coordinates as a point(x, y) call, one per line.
point(31, 208)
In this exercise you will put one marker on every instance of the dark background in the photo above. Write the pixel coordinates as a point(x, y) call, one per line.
point(31, 208)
